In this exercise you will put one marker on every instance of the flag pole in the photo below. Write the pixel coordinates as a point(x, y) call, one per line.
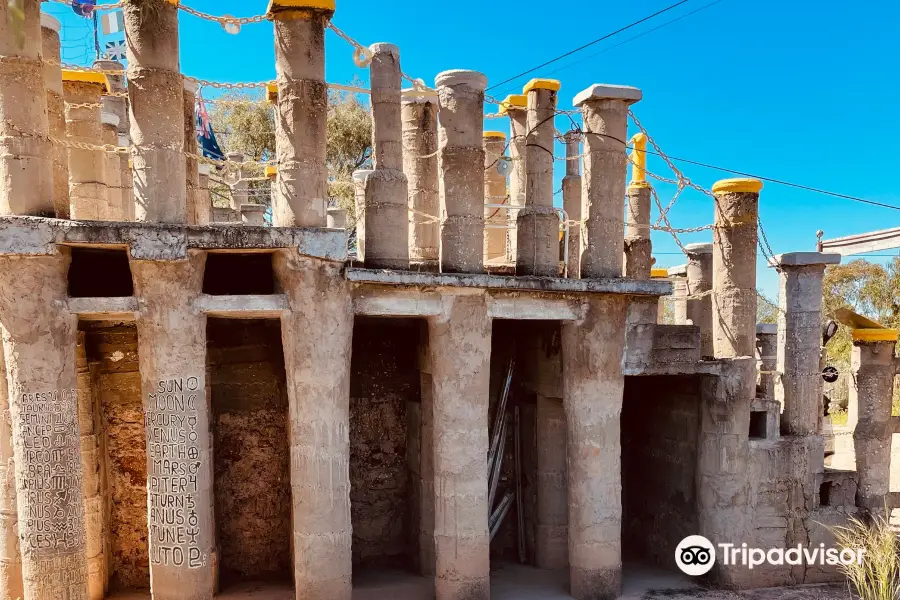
point(96, 37)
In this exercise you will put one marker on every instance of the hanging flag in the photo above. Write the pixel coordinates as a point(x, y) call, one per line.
point(115, 50)
point(83, 8)
point(113, 22)
point(206, 138)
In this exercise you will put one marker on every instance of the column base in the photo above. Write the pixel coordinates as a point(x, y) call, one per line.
point(595, 584)
point(537, 242)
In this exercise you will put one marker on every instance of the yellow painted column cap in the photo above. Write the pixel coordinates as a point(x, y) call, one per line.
point(282, 6)
point(272, 92)
point(875, 335)
point(86, 77)
point(271, 171)
point(494, 134)
point(659, 273)
point(740, 185)
point(542, 84)
point(513, 102)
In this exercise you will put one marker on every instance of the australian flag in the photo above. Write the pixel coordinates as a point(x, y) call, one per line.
point(83, 8)
point(206, 138)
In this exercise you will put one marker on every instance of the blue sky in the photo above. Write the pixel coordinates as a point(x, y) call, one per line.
point(801, 91)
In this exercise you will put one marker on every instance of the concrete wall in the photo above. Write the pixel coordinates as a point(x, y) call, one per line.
point(245, 365)
point(660, 436)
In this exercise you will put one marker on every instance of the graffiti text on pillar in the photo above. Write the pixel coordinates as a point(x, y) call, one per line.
point(176, 443)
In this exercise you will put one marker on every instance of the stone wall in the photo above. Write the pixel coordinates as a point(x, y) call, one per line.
point(660, 434)
point(245, 363)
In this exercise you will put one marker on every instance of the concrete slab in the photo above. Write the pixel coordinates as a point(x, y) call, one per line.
point(605, 91)
point(803, 259)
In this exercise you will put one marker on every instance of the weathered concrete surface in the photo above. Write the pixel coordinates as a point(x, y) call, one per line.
point(39, 347)
point(203, 203)
point(767, 355)
point(460, 131)
point(700, 281)
point(593, 385)
point(425, 483)
point(420, 164)
point(300, 190)
point(253, 215)
point(495, 219)
point(605, 114)
point(156, 109)
point(112, 173)
point(56, 113)
point(515, 107)
point(460, 345)
point(87, 168)
point(384, 229)
point(678, 299)
point(638, 247)
point(10, 557)
point(174, 392)
point(25, 152)
point(552, 507)
point(318, 383)
point(192, 174)
point(571, 191)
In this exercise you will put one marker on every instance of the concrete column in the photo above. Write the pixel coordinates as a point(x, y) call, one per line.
point(125, 170)
point(593, 384)
point(734, 266)
point(494, 193)
point(192, 175)
point(515, 106)
point(172, 341)
point(301, 186)
point(91, 475)
point(317, 364)
point(552, 519)
point(767, 354)
point(117, 105)
point(39, 346)
point(537, 225)
point(426, 464)
point(420, 163)
point(699, 281)
point(799, 388)
point(869, 413)
point(203, 206)
point(156, 101)
point(678, 300)
point(56, 113)
point(337, 218)
point(386, 226)
point(571, 189)
point(26, 171)
point(240, 190)
point(460, 129)
point(112, 211)
point(638, 248)
point(605, 115)
point(359, 194)
point(87, 168)
point(10, 557)
point(460, 343)
point(253, 215)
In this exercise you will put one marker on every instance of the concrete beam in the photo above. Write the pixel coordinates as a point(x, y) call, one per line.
point(386, 302)
point(250, 306)
point(104, 309)
point(529, 308)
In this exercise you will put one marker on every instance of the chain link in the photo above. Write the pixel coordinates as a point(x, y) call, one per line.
point(224, 19)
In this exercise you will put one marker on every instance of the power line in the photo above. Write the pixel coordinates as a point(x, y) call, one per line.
point(580, 48)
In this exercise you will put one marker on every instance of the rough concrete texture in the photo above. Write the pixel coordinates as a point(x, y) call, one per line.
point(300, 190)
point(799, 388)
point(460, 132)
point(384, 230)
point(593, 384)
point(172, 339)
point(734, 273)
point(700, 281)
point(337, 218)
point(25, 151)
point(203, 204)
point(420, 164)
point(252, 471)
point(603, 185)
point(518, 128)
point(537, 225)
point(156, 109)
point(767, 355)
point(495, 219)
point(638, 248)
point(387, 148)
point(240, 189)
point(869, 410)
point(125, 170)
point(678, 299)
point(192, 175)
point(87, 168)
point(114, 209)
point(552, 519)
point(318, 382)
point(422, 431)
point(56, 113)
point(39, 347)
point(253, 215)
point(460, 345)
point(640, 325)
point(571, 190)
point(10, 557)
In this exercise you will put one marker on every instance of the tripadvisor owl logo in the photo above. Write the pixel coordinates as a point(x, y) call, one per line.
point(695, 555)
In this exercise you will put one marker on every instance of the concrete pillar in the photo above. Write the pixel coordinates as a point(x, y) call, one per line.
point(638, 248)
point(112, 211)
point(734, 266)
point(91, 475)
point(240, 189)
point(301, 186)
point(537, 225)
point(571, 190)
point(125, 176)
point(495, 219)
point(426, 464)
point(767, 354)
point(359, 193)
point(678, 300)
point(460, 129)
point(56, 113)
point(117, 105)
point(869, 413)
point(337, 218)
point(156, 101)
point(10, 557)
point(515, 106)
point(253, 215)
point(460, 343)
point(317, 364)
point(203, 206)
point(699, 281)
point(192, 175)
point(605, 115)
point(39, 346)
point(799, 388)
point(593, 384)
point(386, 226)
point(172, 342)
point(420, 163)
point(26, 171)
point(552, 519)
point(87, 168)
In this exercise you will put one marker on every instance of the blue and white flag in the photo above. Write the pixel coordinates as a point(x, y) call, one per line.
point(112, 22)
point(115, 50)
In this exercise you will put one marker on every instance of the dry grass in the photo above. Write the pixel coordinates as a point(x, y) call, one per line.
point(878, 577)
